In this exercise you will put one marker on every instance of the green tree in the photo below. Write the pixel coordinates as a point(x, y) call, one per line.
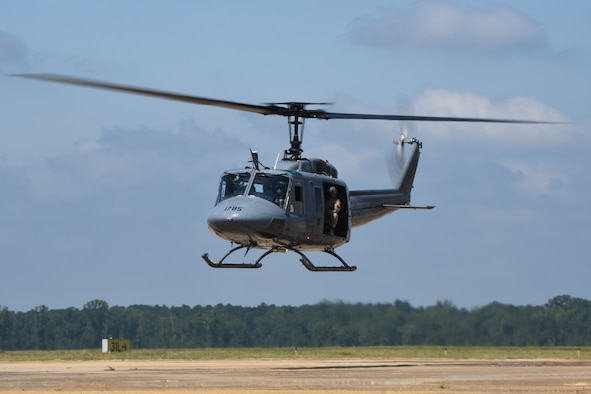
point(96, 327)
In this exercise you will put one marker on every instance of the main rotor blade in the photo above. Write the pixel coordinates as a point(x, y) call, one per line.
point(296, 109)
point(265, 110)
point(336, 115)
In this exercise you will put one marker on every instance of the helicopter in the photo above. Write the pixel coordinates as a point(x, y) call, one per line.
point(300, 204)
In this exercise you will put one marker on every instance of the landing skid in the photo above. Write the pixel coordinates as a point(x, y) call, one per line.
point(221, 264)
point(308, 264)
point(257, 264)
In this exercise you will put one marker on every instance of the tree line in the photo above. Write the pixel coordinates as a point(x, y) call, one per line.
point(562, 321)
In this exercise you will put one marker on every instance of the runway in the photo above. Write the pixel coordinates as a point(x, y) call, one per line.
point(257, 376)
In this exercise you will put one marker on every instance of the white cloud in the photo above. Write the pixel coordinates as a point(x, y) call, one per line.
point(443, 25)
point(364, 135)
point(538, 179)
point(353, 162)
point(441, 102)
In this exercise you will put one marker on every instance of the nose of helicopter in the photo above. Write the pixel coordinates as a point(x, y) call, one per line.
point(242, 219)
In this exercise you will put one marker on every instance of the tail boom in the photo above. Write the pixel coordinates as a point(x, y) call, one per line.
point(369, 205)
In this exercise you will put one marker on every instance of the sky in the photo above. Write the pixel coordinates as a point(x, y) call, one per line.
point(105, 195)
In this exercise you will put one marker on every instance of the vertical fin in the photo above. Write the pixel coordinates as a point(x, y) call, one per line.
point(408, 173)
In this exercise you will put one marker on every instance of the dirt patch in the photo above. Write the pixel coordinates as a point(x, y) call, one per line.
point(298, 375)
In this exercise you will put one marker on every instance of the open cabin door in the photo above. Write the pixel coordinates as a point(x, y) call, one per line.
point(336, 210)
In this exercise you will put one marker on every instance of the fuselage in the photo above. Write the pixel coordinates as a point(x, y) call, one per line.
point(280, 209)
point(298, 205)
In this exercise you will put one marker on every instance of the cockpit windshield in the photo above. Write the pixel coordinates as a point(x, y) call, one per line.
point(268, 186)
point(232, 185)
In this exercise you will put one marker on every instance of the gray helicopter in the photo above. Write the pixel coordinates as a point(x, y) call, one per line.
point(299, 205)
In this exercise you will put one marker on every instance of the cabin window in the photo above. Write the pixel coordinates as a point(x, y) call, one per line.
point(296, 204)
point(318, 199)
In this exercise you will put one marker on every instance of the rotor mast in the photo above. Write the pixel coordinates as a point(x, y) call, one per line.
point(296, 124)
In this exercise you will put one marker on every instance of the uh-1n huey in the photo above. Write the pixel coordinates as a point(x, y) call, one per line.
point(300, 204)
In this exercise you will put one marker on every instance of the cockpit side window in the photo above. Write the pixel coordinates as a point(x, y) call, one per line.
point(270, 187)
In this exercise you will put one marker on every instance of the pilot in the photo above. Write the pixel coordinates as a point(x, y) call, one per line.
point(238, 184)
point(280, 193)
point(268, 191)
point(333, 207)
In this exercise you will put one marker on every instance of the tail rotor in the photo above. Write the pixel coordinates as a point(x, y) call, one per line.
point(398, 158)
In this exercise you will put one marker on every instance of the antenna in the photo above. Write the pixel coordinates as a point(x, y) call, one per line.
point(255, 159)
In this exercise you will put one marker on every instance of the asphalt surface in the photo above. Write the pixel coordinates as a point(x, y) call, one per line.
point(299, 375)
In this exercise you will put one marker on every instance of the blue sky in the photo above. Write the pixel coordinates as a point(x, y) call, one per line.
point(105, 195)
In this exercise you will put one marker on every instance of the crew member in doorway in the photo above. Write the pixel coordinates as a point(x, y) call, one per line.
point(333, 207)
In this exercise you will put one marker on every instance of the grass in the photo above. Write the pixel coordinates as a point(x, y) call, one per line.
point(376, 352)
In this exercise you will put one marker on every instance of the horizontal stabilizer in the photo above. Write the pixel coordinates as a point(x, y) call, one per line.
point(396, 206)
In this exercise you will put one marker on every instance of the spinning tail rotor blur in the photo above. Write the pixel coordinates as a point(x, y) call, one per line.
point(397, 157)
